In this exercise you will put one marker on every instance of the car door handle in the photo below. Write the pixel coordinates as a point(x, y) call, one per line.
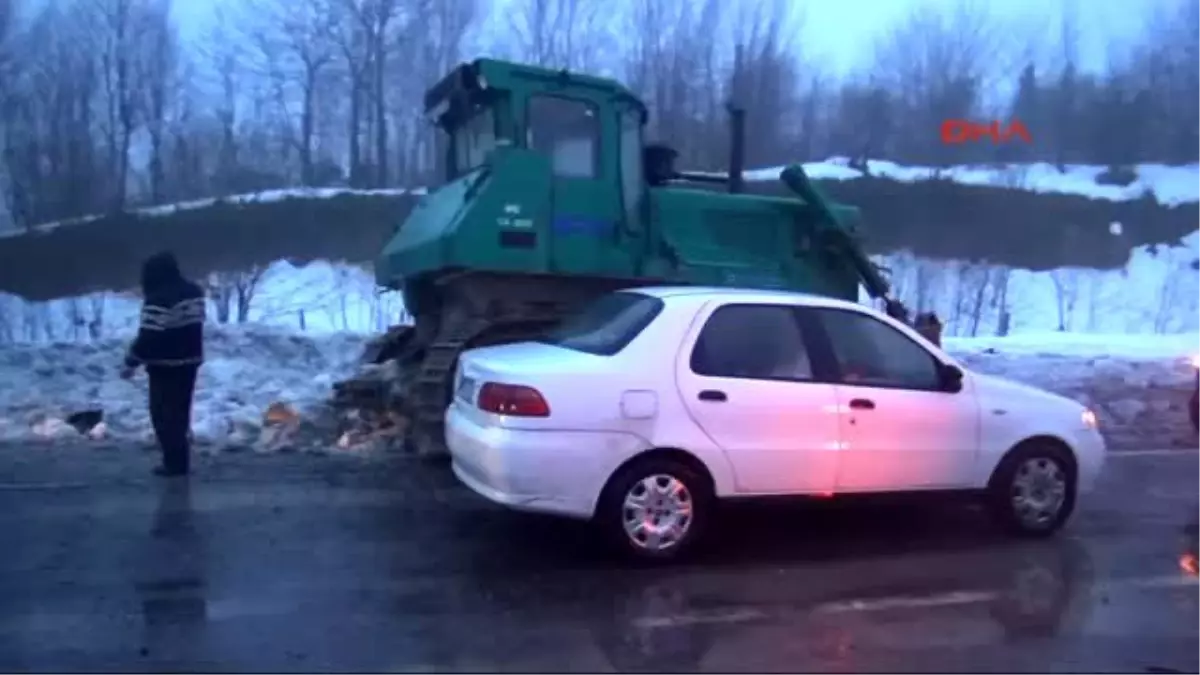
point(713, 395)
point(862, 404)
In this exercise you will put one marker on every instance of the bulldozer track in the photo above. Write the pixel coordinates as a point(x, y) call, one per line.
point(431, 391)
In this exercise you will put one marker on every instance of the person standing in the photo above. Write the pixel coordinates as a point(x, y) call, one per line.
point(170, 344)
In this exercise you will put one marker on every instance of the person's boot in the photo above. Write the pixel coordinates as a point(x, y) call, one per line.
point(169, 472)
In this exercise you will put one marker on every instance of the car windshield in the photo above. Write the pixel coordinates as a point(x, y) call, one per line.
point(607, 325)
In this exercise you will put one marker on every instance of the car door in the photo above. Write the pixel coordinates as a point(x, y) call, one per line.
point(586, 204)
point(746, 380)
point(901, 428)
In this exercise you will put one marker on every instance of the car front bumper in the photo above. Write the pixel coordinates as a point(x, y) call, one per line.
point(1090, 455)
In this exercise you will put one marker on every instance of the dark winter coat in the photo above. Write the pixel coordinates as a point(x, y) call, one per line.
point(171, 332)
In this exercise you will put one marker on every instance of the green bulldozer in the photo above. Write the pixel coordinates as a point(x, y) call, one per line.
point(552, 198)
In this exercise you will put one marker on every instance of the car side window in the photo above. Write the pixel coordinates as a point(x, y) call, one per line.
point(758, 342)
point(871, 353)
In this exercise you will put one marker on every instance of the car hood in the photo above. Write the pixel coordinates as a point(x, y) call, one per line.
point(991, 387)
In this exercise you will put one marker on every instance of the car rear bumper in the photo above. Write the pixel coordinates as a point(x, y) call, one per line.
point(556, 472)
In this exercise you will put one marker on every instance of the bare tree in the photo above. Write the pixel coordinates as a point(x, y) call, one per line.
point(766, 78)
point(365, 35)
point(570, 34)
point(233, 293)
point(999, 300)
point(935, 63)
point(296, 46)
point(974, 280)
point(429, 50)
point(121, 26)
point(8, 12)
point(378, 16)
point(157, 69)
point(50, 154)
point(354, 47)
point(1066, 294)
point(677, 68)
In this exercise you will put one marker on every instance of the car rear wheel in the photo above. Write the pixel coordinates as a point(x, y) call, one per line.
point(655, 509)
point(1033, 491)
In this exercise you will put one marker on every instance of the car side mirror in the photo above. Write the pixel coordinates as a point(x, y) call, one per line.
point(951, 377)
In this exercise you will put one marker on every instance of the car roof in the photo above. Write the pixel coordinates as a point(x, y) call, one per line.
point(746, 294)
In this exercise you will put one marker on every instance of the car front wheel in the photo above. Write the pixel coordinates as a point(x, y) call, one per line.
point(1033, 491)
point(655, 509)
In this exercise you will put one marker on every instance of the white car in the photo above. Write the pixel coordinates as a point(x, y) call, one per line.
point(647, 407)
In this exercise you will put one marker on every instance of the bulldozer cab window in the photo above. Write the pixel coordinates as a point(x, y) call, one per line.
point(473, 139)
point(566, 131)
point(631, 162)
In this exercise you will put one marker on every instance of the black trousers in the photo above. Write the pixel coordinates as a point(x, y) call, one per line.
point(171, 389)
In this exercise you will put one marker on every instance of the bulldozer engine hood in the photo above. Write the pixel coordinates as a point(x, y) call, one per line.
point(420, 234)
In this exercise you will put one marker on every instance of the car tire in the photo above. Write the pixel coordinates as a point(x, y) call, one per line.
point(1032, 492)
point(666, 532)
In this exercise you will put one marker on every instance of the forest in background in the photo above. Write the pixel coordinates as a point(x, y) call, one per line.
point(103, 106)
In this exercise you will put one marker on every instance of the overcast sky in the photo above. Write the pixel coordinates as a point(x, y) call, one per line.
point(841, 31)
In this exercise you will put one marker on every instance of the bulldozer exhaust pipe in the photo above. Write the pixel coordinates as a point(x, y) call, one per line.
point(737, 148)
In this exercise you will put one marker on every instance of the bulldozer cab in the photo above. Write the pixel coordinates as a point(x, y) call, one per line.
point(588, 130)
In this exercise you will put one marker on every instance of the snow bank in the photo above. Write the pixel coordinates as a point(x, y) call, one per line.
point(247, 370)
point(318, 298)
point(264, 197)
point(1157, 292)
point(1170, 184)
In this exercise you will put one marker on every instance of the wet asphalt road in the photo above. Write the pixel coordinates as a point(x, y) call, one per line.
point(305, 564)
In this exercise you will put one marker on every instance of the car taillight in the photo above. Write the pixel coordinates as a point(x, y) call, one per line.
point(512, 399)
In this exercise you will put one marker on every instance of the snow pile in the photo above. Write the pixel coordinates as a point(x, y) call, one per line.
point(1170, 184)
point(248, 369)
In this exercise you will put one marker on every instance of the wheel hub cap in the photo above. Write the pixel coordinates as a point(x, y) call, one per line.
point(1039, 491)
point(657, 512)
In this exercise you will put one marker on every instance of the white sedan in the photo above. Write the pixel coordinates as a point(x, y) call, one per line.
point(651, 404)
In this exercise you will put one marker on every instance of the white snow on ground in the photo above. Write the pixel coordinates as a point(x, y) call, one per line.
point(307, 328)
point(248, 368)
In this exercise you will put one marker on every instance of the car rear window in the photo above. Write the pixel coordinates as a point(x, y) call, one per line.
point(607, 325)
